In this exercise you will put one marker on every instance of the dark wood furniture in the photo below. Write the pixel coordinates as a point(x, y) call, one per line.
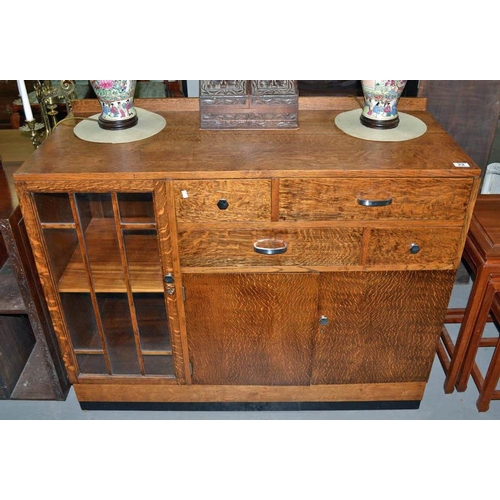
point(297, 266)
point(31, 366)
point(482, 258)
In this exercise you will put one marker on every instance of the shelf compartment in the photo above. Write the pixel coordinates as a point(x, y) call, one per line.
point(11, 301)
point(104, 256)
point(125, 356)
point(136, 208)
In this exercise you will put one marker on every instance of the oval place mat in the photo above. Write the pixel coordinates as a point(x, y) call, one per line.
point(409, 127)
point(148, 125)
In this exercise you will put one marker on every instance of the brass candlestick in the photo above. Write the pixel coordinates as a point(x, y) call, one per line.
point(35, 138)
point(49, 97)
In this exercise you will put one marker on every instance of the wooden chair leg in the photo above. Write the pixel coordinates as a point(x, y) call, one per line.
point(475, 339)
point(490, 381)
point(466, 331)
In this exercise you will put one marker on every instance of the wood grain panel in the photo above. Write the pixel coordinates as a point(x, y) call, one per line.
point(87, 106)
point(251, 328)
point(383, 327)
point(167, 233)
point(248, 200)
point(337, 199)
point(439, 247)
point(183, 151)
point(306, 247)
point(128, 392)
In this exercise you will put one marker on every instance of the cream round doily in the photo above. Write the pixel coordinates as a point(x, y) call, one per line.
point(148, 125)
point(409, 127)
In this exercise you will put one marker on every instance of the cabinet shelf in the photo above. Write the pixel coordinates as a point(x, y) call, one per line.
point(106, 265)
point(11, 301)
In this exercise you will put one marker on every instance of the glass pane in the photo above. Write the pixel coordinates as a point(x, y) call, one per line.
point(152, 319)
point(143, 260)
point(159, 365)
point(81, 321)
point(66, 259)
point(53, 207)
point(136, 207)
point(92, 363)
point(119, 333)
point(94, 206)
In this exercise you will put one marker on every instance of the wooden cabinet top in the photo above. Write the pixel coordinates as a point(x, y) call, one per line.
point(181, 150)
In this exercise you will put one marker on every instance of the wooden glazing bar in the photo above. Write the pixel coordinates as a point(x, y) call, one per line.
point(57, 225)
point(137, 225)
point(130, 296)
point(89, 351)
point(157, 353)
point(88, 272)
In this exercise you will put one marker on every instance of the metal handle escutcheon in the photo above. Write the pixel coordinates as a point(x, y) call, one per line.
point(270, 246)
point(374, 203)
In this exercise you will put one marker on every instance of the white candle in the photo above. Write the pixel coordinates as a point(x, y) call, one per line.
point(26, 102)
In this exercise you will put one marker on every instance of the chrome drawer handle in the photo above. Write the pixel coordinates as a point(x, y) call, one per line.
point(270, 247)
point(374, 203)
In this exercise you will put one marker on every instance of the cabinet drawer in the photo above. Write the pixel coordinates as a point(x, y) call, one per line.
point(436, 247)
point(304, 247)
point(347, 199)
point(223, 200)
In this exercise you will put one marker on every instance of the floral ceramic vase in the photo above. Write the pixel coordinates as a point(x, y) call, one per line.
point(381, 103)
point(116, 98)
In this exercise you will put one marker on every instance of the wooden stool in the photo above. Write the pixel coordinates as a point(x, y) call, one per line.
point(482, 257)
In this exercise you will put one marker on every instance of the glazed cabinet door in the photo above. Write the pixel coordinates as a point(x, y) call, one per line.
point(379, 327)
point(104, 259)
point(251, 328)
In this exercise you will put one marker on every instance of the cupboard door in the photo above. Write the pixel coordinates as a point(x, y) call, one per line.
point(251, 328)
point(105, 259)
point(381, 326)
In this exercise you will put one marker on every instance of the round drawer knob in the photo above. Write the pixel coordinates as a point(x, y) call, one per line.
point(414, 248)
point(222, 204)
point(323, 321)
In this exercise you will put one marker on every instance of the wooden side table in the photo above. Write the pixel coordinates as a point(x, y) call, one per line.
point(30, 364)
point(482, 257)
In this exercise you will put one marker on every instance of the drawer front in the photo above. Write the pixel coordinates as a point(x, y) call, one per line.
point(300, 247)
point(434, 248)
point(392, 199)
point(223, 200)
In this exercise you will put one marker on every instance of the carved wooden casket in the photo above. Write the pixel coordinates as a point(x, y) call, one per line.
point(248, 104)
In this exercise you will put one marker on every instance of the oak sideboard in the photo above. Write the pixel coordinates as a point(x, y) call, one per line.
point(248, 267)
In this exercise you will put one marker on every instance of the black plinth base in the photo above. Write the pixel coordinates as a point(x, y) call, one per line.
point(379, 124)
point(118, 125)
point(234, 406)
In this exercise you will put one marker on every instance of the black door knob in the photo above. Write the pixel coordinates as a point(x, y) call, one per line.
point(414, 248)
point(222, 204)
